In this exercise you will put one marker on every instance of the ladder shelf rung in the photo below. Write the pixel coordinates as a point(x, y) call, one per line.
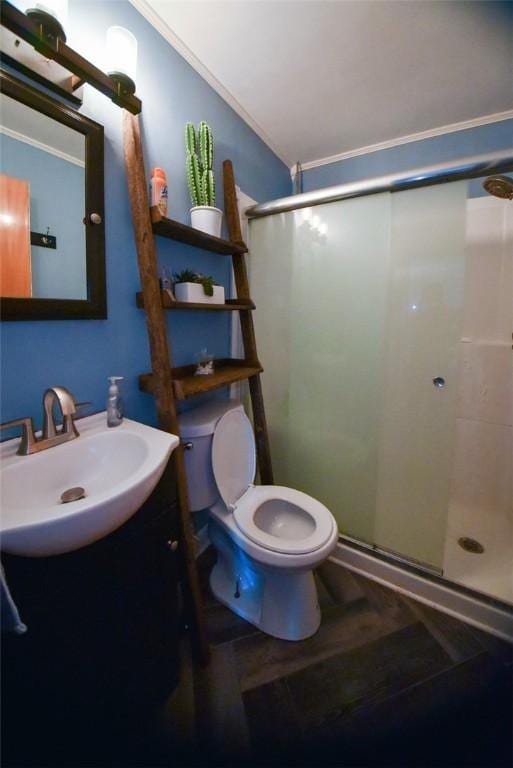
point(231, 305)
point(226, 371)
point(175, 230)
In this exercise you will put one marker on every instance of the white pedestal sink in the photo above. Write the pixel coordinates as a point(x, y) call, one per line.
point(117, 467)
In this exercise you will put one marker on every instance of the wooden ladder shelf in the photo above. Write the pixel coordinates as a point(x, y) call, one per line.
point(168, 384)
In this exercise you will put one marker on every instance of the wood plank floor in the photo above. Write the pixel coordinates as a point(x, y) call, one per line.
point(386, 681)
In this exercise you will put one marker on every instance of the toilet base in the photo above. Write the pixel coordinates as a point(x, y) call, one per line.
point(279, 601)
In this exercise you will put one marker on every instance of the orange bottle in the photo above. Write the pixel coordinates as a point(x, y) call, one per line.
point(158, 190)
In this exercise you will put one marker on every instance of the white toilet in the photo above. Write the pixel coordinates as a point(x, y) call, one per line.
point(268, 538)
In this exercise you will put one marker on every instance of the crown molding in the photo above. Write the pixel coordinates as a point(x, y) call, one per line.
point(475, 122)
point(39, 145)
point(185, 52)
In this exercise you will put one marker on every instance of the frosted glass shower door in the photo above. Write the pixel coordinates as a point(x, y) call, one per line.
point(424, 321)
point(319, 280)
point(359, 309)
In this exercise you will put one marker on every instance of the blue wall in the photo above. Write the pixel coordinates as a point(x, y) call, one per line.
point(439, 149)
point(81, 354)
point(57, 201)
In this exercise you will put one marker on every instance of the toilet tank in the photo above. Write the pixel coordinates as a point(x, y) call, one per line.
point(197, 427)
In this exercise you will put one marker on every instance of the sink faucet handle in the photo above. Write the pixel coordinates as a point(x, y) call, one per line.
point(83, 405)
point(28, 437)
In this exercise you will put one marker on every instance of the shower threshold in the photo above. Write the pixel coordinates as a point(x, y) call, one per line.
point(427, 585)
point(393, 555)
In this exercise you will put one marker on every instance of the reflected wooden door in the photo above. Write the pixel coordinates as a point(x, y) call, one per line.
point(15, 264)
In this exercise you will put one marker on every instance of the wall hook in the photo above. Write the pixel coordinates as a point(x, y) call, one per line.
point(43, 240)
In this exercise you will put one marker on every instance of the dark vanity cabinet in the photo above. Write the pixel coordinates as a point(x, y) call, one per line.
point(101, 652)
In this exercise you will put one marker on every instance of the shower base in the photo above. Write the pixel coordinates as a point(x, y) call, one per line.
point(490, 571)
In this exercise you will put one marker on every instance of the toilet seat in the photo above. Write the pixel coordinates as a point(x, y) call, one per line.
point(273, 517)
point(314, 528)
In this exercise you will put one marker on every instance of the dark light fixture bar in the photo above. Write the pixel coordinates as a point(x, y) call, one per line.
point(37, 78)
point(54, 48)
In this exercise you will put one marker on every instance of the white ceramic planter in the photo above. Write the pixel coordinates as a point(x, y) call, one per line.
point(207, 219)
point(194, 292)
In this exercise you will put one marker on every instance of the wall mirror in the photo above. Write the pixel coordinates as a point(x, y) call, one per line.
point(52, 238)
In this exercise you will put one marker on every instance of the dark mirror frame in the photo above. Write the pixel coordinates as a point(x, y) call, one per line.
point(95, 306)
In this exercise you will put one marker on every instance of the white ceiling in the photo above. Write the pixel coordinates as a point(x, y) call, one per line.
point(26, 124)
point(321, 77)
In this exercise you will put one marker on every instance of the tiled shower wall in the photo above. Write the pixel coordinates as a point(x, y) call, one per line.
point(481, 504)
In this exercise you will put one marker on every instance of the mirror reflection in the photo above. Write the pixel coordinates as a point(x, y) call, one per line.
point(42, 206)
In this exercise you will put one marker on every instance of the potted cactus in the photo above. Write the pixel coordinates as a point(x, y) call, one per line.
point(200, 178)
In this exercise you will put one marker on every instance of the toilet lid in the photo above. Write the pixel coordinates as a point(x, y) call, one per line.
point(233, 456)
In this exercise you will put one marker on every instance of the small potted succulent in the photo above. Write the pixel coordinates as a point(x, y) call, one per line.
point(200, 178)
point(197, 288)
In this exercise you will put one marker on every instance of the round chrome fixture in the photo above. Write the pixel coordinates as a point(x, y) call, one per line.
point(499, 186)
point(73, 494)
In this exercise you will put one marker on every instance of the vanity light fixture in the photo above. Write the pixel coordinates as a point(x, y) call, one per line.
point(45, 33)
point(51, 16)
point(122, 58)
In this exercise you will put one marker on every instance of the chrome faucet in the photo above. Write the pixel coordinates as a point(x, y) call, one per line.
point(51, 435)
point(67, 404)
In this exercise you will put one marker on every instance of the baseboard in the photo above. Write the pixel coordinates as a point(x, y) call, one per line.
point(485, 615)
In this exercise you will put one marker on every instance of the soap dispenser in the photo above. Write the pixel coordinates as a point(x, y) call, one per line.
point(114, 403)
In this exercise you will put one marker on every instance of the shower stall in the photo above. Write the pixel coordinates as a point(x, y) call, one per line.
point(385, 317)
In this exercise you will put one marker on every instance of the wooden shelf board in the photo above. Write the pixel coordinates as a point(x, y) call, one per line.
point(186, 384)
point(231, 305)
point(175, 230)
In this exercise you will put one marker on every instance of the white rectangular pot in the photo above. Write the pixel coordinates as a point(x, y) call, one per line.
point(207, 219)
point(194, 293)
